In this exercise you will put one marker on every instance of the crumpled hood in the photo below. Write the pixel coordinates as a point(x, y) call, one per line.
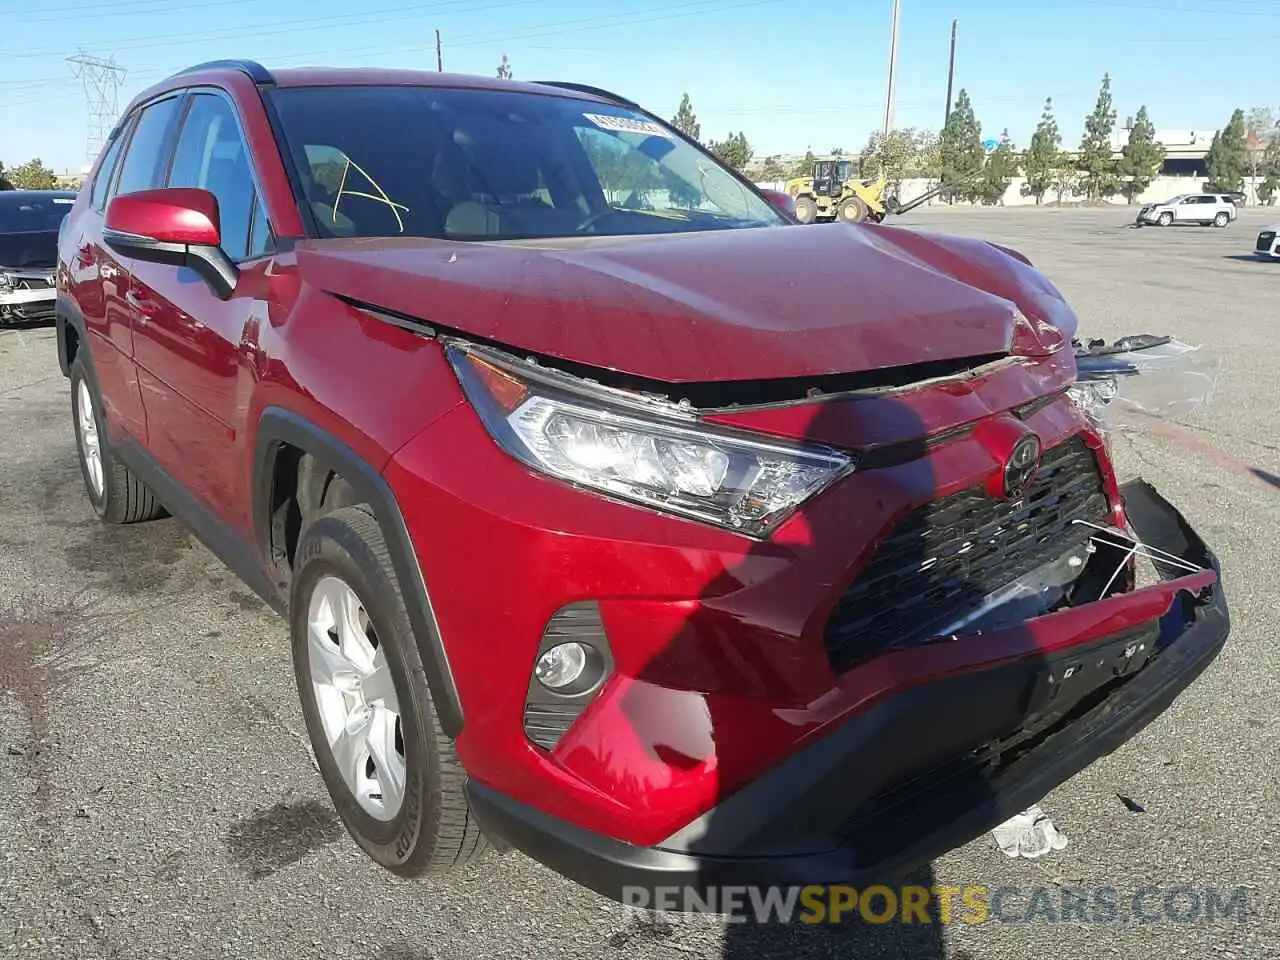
point(722, 305)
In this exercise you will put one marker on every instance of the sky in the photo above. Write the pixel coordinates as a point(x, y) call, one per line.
point(790, 75)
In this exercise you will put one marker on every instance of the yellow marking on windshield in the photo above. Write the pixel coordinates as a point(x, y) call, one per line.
point(380, 198)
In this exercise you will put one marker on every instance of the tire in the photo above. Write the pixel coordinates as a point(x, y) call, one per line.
point(116, 494)
point(1165, 219)
point(852, 210)
point(429, 829)
point(1222, 219)
point(806, 209)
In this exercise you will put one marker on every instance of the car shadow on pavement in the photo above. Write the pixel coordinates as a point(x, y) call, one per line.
point(1244, 258)
point(745, 632)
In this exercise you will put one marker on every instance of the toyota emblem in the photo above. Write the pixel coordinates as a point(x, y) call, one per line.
point(1020, 468)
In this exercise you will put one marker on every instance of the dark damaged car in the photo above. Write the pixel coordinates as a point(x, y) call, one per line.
point(615, 518)
point(29, 223)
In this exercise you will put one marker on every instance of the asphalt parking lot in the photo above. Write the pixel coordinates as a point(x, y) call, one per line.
point(157, 799)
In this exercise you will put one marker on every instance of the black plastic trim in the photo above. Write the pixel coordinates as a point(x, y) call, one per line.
point(250, 68)
point(791, 826)
point(232, 549)
point(279, 426)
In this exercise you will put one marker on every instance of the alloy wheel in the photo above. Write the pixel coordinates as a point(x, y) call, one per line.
point(356, 698)
point(90, 441)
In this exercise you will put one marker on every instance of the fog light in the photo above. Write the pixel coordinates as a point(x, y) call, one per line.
point(561, 666)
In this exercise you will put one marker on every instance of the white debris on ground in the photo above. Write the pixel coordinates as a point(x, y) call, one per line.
point(1030, 834)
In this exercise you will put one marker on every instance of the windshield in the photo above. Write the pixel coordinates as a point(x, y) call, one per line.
point(29, 225)
point(497, 165)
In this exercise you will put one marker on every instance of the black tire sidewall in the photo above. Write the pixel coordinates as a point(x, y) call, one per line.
point(80, 375)
point(330, 547)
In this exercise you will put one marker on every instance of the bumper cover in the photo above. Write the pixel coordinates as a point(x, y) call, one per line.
point(917, 774)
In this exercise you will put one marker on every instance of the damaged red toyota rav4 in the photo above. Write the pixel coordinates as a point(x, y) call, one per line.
point(615, 516)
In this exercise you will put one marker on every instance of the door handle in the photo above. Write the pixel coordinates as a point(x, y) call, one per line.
point(144, 307)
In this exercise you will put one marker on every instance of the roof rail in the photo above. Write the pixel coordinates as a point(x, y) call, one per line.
point(585, 88)
point(251, 68)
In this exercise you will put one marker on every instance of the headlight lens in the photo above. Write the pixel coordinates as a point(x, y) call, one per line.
point(6, 282)
point(640, 450)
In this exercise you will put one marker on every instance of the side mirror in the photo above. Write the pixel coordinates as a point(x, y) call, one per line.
point(783, 201)
point(175, 225)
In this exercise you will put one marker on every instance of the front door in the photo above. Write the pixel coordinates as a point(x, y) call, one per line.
point(197, 354)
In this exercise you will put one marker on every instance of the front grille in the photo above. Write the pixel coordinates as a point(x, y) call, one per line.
point(1265, 240)
point(946, 556)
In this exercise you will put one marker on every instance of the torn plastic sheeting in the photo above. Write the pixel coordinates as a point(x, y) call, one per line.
point(1030, 834)
point(1136, 378)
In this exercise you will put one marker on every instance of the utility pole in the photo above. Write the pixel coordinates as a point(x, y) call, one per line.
point(439, 55)
point(893, 69)
point(101, 88)
point(951, 72)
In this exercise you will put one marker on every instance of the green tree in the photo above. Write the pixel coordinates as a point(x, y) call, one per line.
point(32, 175)
point(1042, 157)
point(804, 166)
point(1066, 176)
point(925, 157)
point(837, 151)
point(1142, 157)
point(1226, 161)
point(1269, 169)
point(1000, 169)
point(504, 68)
point(686, 121)
point(891, 156)
point(772, 170)
point(1098, 173)
point(960, 147)
point(4, 179)
point(733, 150)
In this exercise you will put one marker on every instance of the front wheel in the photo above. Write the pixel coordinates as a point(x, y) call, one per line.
point(1165, 219)
point(393, 775)
point(853, 210)
point(806, 209)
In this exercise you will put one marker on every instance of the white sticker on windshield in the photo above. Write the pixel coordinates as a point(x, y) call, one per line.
point(627, 125)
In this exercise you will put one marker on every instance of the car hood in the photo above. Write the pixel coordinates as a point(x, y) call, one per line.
point(722, 305)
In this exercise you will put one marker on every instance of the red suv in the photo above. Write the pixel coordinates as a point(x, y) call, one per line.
point(616, 516)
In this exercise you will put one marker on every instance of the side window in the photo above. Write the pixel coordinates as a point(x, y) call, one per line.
point(98, 198)
point(260, 240)
point(148, 151)
point(212, 156)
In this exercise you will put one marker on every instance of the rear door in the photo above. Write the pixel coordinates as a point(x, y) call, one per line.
point(197, 354)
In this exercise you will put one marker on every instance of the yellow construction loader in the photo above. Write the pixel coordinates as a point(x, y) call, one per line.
point(833, 191)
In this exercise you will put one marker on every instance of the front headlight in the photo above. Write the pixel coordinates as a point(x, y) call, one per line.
point(639, 449)
point(6, 282)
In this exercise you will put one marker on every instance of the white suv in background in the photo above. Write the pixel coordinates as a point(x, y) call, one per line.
point(1204, 209)
point(1268, 245)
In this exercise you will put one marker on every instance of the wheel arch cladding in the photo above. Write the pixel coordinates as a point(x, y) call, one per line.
point(70, 333)
point(279, 427)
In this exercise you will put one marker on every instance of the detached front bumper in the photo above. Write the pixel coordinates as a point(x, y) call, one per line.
point(28, 306)
point(928, 769)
